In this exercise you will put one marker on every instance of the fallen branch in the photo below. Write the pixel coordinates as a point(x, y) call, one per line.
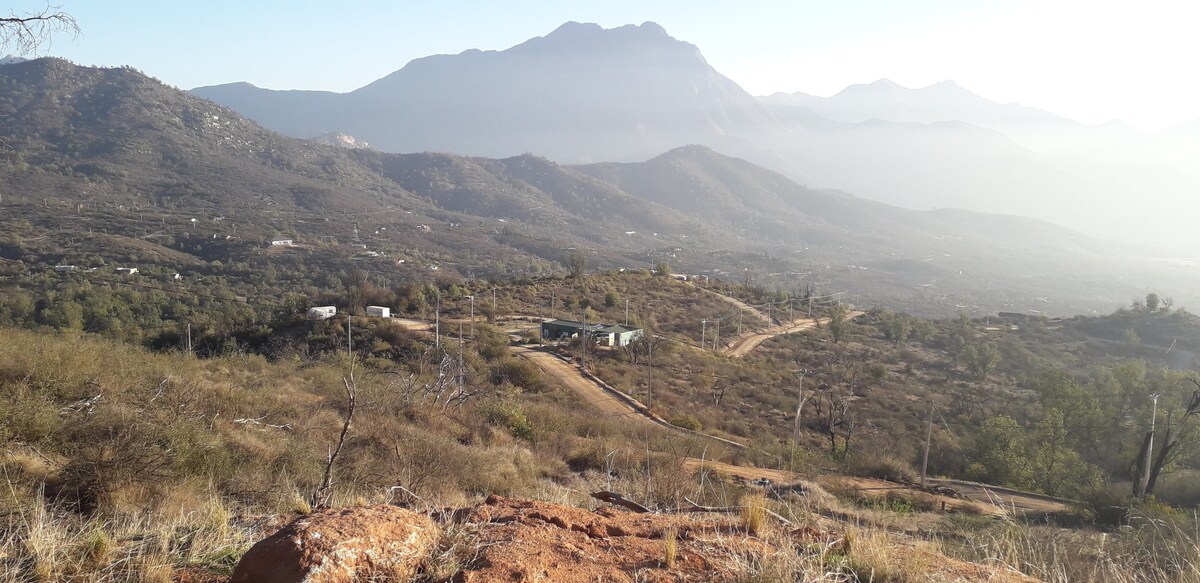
point(259, 421)
point(619, 500)
point(693, 507)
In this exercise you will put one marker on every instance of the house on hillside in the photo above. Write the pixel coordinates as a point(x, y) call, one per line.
point(65, 268)
point(379, 312)
point(322, 312)
point(282, 243)
point(126, 270)
point(601, 334)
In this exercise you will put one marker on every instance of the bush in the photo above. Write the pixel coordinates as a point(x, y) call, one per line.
point(686, 422)
point(509, 416)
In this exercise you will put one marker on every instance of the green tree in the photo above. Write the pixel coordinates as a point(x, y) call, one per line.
point(576, 264)
point(1001, 448)
point(981, 359)
point(839, 322)
point(896, 327)
point(1152, 302)
point(662, 268)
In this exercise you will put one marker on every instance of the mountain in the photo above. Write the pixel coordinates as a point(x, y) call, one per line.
point(585, 94)
point(11, 60)
point(633, 91)
point(945, 101)
point(109, 163)
point(340, 140)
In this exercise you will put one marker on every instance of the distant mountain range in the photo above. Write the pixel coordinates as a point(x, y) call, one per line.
point(87, 148)
point(584, 94)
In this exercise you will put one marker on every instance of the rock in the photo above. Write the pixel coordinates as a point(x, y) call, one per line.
point(347, 544)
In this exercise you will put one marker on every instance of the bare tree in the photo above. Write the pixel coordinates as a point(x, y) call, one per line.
point(24, 33)
point(1174, 428)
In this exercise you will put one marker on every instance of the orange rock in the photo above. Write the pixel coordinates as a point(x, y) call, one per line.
point(346, 544)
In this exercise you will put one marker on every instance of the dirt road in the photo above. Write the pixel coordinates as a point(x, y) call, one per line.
point(604, 398)
point(743, 472)
point(989, 500)
point(586, 389)
point(748, 341)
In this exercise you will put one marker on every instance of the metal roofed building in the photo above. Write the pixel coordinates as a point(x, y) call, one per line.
point(604, 334)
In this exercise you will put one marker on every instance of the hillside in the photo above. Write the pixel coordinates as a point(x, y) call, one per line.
point(158, 170)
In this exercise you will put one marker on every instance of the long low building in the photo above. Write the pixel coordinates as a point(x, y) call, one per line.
point(603, 334)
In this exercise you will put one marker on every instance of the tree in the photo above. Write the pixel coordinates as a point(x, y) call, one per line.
point(896, 327)
point(663, 268)
point(576, 264)
point(981, 359)
point(1152, 302)
point(25, 33)
point(839, 323)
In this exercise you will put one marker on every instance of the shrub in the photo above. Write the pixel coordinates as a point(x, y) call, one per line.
point(686, 422)
point(511, 417)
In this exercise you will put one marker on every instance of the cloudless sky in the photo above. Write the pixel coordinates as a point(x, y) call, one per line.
point(1091, 60)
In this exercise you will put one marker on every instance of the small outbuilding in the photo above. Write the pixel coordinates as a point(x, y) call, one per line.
point(601, 334)
point(379, 312)
point(322, 312)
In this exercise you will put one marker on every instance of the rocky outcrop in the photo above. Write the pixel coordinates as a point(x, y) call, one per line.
point(342, 545)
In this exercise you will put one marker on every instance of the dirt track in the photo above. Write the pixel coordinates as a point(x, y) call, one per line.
point(586, 389)
point(742, 345)
point(988, 500)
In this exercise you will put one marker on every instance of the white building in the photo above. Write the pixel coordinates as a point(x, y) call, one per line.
point(379, 312)
point(65, 268)
point(126, 270)
point(322, 312)
point(281, 243)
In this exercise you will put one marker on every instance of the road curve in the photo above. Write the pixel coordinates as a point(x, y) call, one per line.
point(748, 341)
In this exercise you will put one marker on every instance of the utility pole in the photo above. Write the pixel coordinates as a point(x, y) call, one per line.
point(703, 334)
point(627, 311)
point(717, 336)
point(472, 298)
point(349, 339)
point(437, 322)
point(189, 338)
point(493, 302)
point(650, 374)
point(1145, 480)
point(810, 299)
point(583, 344)
point(799, 404)
point(928, 437)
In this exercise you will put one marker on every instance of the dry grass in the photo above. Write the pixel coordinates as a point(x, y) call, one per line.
point(1147, 550)
point(670, 538)
point(753, 515)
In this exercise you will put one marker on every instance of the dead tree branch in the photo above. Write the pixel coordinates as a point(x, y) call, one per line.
point(25, 33)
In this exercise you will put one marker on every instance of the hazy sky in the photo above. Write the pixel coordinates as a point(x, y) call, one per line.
point(1091, 60)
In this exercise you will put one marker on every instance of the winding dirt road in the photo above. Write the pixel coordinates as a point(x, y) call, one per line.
point(742, 345)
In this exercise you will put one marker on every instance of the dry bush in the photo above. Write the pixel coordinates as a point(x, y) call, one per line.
point(753, 515)
point(670, 538)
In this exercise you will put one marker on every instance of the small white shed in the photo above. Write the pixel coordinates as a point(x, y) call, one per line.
point(322, 312)
point(379, 312)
